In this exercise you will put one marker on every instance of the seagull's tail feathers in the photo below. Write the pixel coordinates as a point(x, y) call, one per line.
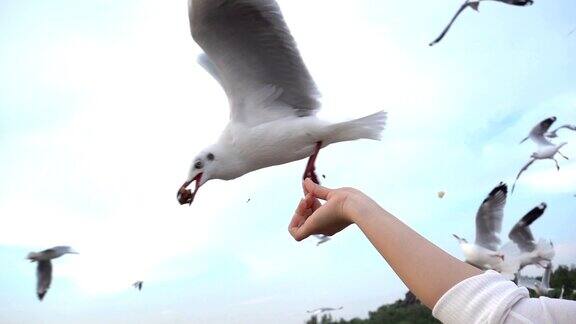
point(369, 127)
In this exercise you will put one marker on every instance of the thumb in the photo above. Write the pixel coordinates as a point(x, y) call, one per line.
point(302, 232)
point(316, 190)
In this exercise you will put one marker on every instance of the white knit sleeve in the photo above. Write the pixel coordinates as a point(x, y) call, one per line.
point(490, 298)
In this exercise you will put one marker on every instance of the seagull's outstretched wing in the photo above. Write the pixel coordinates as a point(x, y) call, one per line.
point(255, 57)
point(521, 233)
point(467, 3)
point(552, 134)
point(329, 309)
point(522, 170)
point(538, 131)
point(518, 2)
point(43, 277)
point(324, 309)
point(489, 218)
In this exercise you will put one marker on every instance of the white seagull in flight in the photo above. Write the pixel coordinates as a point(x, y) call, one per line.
point(138, 284)
point(44, 268)
point(474, 5)
point(523, 249)
point(484, 253)
point(323, 310)
point(546, 149)
point(273, 99)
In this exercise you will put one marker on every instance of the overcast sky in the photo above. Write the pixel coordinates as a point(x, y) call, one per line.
point(103, 107)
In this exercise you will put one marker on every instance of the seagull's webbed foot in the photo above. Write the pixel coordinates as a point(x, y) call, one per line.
point(310, 171)
point(562, 155)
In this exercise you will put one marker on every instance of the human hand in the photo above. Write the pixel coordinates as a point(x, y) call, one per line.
point(312, 217)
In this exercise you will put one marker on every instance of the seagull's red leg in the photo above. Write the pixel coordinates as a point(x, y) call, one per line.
point(310, 167)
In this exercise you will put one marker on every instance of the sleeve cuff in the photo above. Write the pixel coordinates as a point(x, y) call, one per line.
point(485, 298)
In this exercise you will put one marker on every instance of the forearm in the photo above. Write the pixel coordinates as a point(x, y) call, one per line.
point(426, 269)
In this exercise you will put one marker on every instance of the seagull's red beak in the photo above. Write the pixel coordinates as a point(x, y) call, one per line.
point(186, 196)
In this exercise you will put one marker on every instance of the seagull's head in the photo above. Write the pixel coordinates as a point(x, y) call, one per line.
point(202, 169)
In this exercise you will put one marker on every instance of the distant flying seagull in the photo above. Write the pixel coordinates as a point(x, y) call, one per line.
point(542, 288)
point(273, 99)
point(323, 310)
point(44, 268)
point(484, 253)
point(138, 285)
point(441, 194)
point(524, 250)
point(552, 134)
point(321, 238)
point(474, 5)
point(546, 149)
point(540, 131)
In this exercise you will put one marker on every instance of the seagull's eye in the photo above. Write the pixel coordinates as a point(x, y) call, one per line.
point(210, 156)
point(198, 165)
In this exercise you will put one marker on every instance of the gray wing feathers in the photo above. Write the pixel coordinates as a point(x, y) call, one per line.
point(537, 133)
point(489, 218)
point(553, 133)
point(521, 233)
point(439, 38)
point(524, 168)
point(251, 46)
point(43, 277)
